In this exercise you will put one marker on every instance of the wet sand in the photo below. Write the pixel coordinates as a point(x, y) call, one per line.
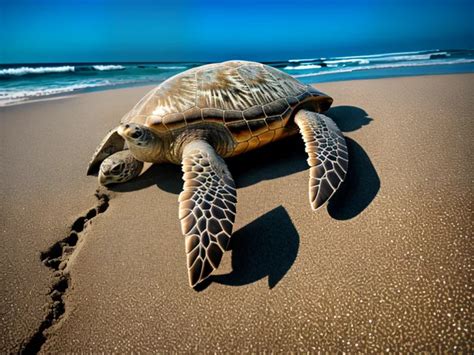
point(386, 265)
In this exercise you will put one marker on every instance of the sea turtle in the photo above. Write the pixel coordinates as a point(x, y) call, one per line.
point(216, 111)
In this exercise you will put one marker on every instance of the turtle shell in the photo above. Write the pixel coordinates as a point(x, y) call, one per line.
point(252, 100)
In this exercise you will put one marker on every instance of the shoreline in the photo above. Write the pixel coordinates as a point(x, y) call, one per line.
point(389, 253)
point(342, 74)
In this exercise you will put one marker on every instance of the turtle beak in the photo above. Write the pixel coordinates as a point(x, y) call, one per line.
point(102, 180)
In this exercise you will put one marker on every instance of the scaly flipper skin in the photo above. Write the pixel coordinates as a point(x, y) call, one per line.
point(207, 207)
point(111, 144)
point(327, 155)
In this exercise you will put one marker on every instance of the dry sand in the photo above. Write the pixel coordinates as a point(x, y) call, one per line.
point(387, 265)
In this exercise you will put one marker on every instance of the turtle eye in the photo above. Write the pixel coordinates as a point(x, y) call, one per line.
point(136, 134)
point(116, 169)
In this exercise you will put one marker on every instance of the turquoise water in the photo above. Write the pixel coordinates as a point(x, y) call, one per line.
point(21, 83)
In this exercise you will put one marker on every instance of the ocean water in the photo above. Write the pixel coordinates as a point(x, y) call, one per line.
point(25, 82)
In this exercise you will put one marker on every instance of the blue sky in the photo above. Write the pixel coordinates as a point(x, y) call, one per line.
point(33, 31)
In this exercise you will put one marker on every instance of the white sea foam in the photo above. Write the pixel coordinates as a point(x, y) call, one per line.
point(396, 54)
point(397, 58)
point(12, 96)
point(386, 66)
point(304, 60)
point(379, 55)
point(38, 70)
point(302, 67)
point(403, 57)
point(345, 61)
point(108, 67)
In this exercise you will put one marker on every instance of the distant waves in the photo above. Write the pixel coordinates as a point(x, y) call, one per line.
point(385, 66)
point(19, 71)
point(327, 66)
point(23, 82)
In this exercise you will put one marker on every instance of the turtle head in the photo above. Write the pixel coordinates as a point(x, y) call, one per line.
point(119, 167)
point(144, 144)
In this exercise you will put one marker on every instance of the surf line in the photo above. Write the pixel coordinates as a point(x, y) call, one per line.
point(56, 258)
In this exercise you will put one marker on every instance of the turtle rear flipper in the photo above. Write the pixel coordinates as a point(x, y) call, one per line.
point(327, 155)
point(111, 144)
point(206, 209)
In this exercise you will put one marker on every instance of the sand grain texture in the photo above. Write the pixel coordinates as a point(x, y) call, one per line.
point(387, 265)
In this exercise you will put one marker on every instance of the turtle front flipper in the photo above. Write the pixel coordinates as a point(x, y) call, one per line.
point(206, 209)
point(111, 144)
point(327, 155)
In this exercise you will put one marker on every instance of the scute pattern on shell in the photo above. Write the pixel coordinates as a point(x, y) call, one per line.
point(228, 86)
point(252, 100)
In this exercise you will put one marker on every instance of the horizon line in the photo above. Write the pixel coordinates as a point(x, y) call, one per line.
point(263, 61)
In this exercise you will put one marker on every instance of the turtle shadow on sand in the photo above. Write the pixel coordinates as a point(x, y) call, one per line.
point(349, 118)
point(288, 157)
point(166, 176)
point(268, 246)
point(362, 182)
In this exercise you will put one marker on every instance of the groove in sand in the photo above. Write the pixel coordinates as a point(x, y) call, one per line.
point(56, 258)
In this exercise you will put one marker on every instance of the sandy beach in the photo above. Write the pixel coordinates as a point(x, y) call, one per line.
point(385, 266)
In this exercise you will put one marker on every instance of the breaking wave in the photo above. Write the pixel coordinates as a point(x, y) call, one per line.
point(108, 67)
point(36, 70)
point(20, 71)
